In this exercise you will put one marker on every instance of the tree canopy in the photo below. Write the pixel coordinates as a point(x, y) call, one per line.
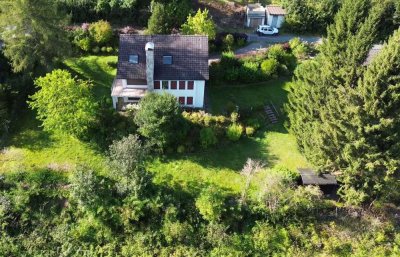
point(167, 16)
point(200, 24)
point(325, 106)
point(64, 104)
point(33, 33)
point(160, 119)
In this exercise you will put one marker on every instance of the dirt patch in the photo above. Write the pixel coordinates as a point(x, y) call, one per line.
point(226, 15)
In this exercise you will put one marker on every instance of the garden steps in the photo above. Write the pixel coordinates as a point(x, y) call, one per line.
point(271, 114)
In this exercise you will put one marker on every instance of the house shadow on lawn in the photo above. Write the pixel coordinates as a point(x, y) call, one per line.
point(232, 155)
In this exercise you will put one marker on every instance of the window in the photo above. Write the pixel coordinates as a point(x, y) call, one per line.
point(165, 84)
point(181, 100)
point(173, 84)
point(182, 85)
point(189, 100)
point(134, 58)
point(156, 84)
point(133, 98)
point(190, 85)
point(167, 59)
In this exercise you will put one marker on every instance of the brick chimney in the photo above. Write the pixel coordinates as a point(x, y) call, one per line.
point(150, 65)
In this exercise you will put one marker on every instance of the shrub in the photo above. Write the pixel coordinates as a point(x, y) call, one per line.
point(250, 131)
point(104, 49)
point(270, 67)
point(234, 132)
point(207, 137)
point(253, 122)
point(110, 49)
point(84, 44)
point(211, 203)
point(276, 52)
point(232, 74)
point(101, 32)
point(229, 60)
point(229, 41)
point(96, 49)
point(180, 149)
point(300, 51)
point(294, 42)
point(126, 158)
point(241, 42)
point(234, 117)
point(249, 72)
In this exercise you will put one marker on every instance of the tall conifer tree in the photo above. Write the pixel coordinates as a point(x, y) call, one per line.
point(324, 106)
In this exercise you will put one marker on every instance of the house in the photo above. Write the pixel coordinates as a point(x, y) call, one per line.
point(326, 182)
point(255, 15)
point(161, 63)
point(275, 16)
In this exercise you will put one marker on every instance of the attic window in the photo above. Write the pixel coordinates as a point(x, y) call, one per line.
point(167, 59)
point(134, 58)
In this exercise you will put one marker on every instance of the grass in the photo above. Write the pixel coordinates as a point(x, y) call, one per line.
point(31, 148)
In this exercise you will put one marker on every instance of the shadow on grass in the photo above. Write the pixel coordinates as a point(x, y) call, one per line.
point(90, 68)
point(28, 133)
point(231, 155)
point(249, 96)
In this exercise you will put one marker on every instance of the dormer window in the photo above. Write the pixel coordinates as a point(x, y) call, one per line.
point(134, 58)
point(167, 59)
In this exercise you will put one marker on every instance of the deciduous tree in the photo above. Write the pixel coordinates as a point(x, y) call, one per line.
point(160, 119)
point(64, 104)
point(200, 24)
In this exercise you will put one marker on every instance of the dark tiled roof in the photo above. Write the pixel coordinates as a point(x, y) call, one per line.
point(309, 177)
point(189, 53)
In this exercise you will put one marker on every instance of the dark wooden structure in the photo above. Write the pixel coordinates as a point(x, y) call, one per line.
point(326, 182)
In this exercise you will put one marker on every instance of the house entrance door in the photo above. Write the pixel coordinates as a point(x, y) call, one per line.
point(120, 103)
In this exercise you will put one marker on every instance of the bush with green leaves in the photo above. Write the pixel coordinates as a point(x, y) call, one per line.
point(250, 131)
point(234, 132)
point(299, 48)
point(101, 32)
point(207, 137)
point(270, 67)
point(126, 161)
point(229, 41)
point(84, 44)
point(64, 104)
point(160, 120)
point(211, 203)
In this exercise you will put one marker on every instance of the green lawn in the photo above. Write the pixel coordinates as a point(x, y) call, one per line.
point(31, 148)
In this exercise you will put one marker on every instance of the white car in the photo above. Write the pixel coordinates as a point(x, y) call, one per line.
point(266, 30)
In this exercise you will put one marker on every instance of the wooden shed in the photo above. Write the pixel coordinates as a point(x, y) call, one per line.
point(326, 182)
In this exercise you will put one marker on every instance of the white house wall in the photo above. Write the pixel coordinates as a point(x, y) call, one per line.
point(197, 93)
point(281, 20)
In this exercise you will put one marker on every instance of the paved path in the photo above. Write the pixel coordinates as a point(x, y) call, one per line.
point(258, 43)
